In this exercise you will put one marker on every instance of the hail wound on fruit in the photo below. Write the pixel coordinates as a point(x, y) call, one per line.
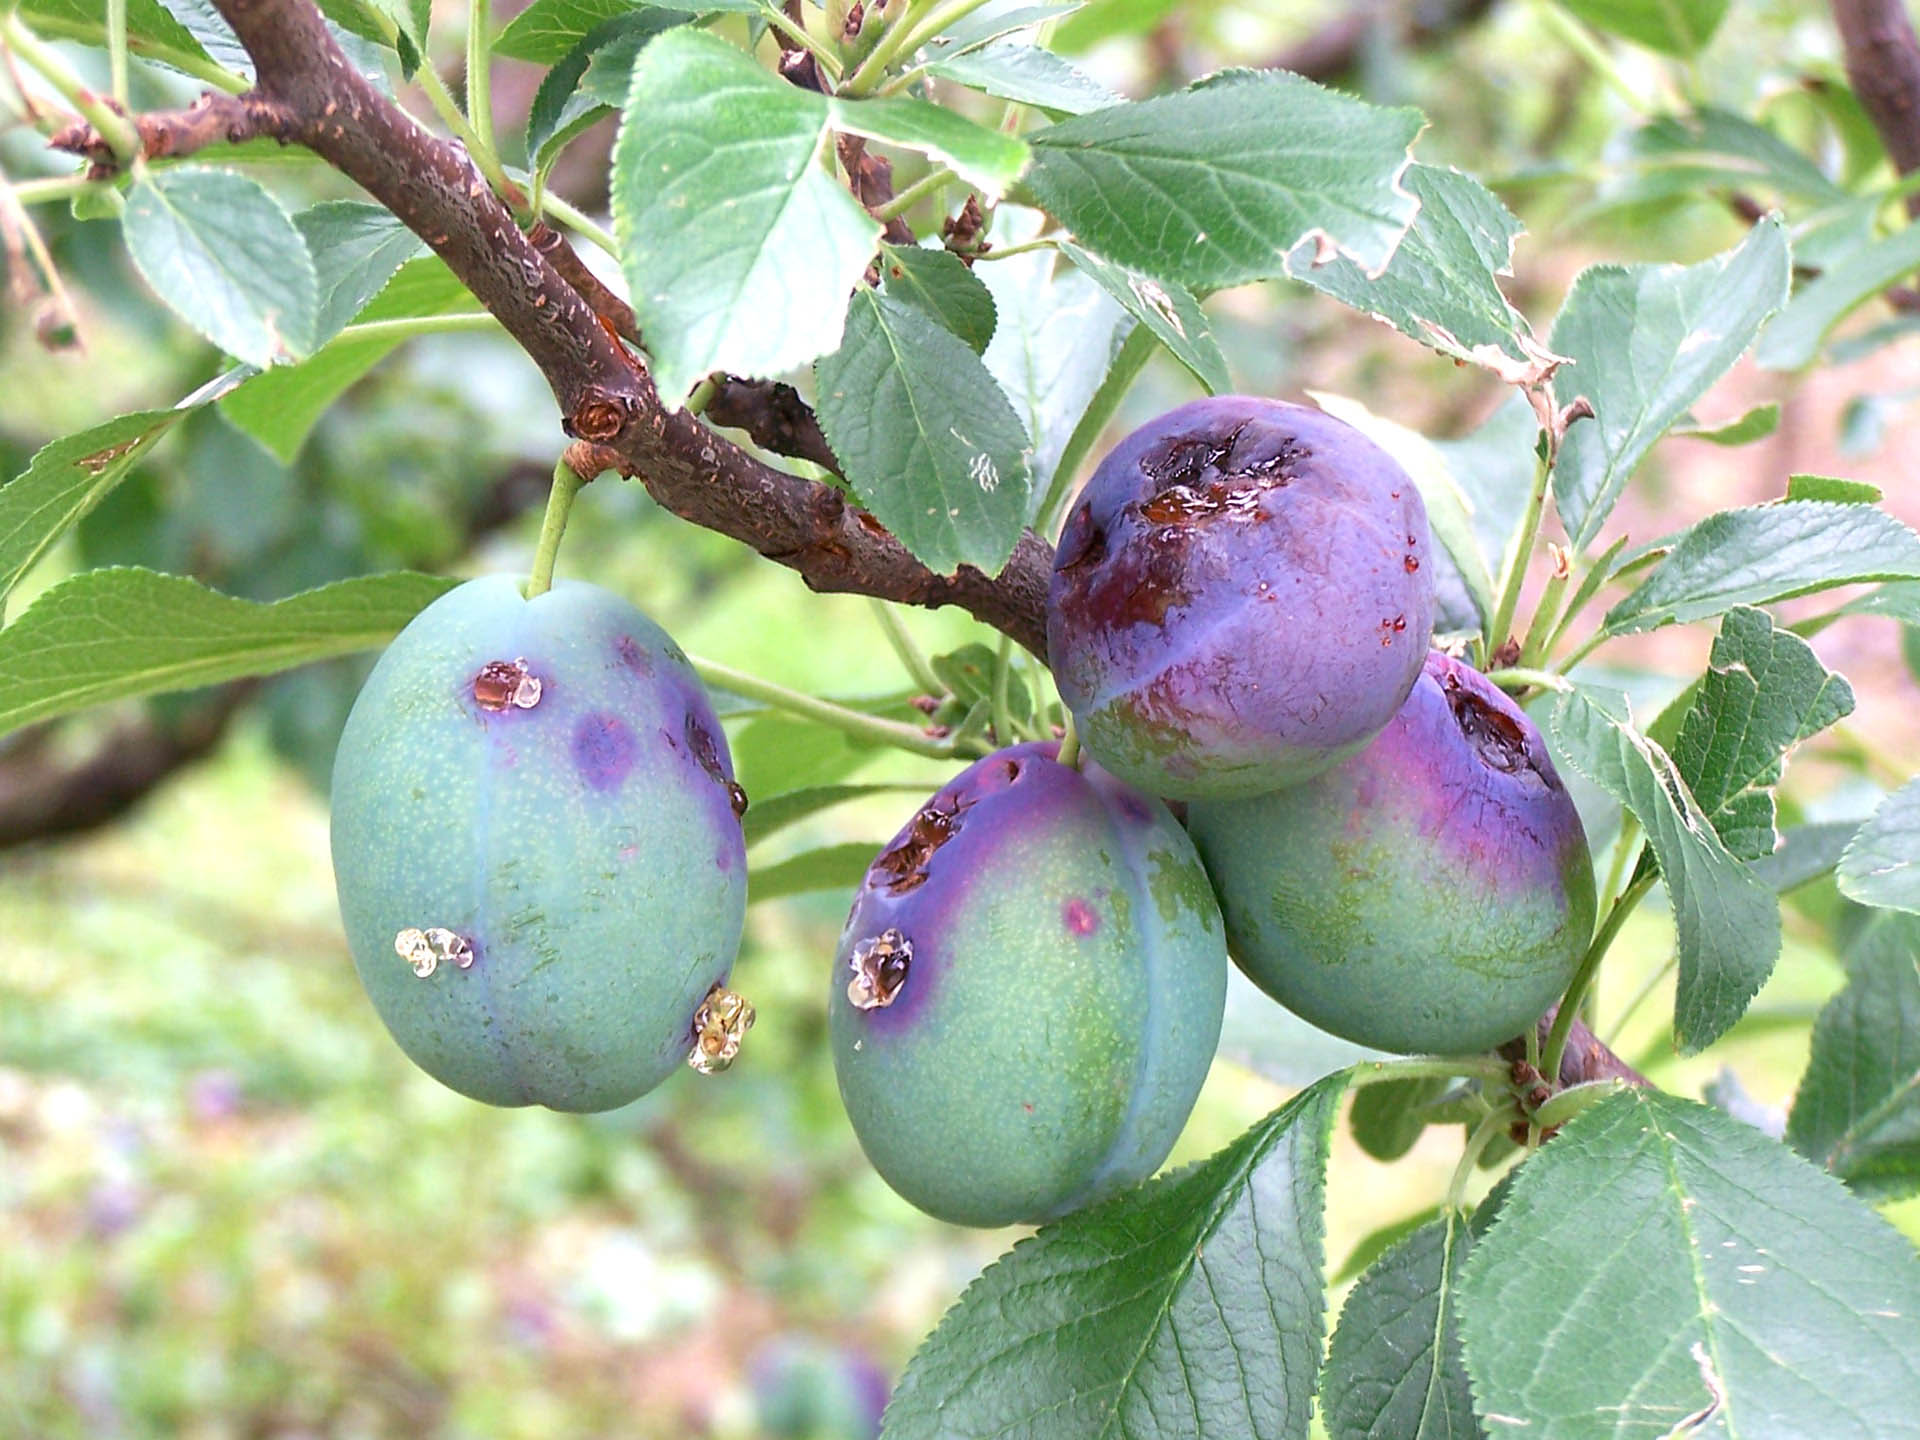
point(1198, 478)
point(1495, 735)
point(904, 863)
point(506, 683)
point(425, 949)
point(879, 964)
point(719, 1025)
point(700, 745)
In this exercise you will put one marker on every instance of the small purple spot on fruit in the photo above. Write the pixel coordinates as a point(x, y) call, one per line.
point(425, 949)
point(879, 964)
point(719, 1025)
point(603, 750)
point(1082, 919)
point(632, 656)
point(504, 683)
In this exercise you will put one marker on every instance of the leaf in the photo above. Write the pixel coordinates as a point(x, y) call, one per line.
point(1762, 553)
point(226, 257)
point(1662, 1269)
point(1216, 184)
point(926, 439)
point(1191, 1307)
point(1167, 308)
point(832, 867)
point(1758, 423)
point(738, 247)
point(116, 633)
point(968, 675)
point(1793, 340)
point(65, 480)
point(1388, 1117)
point(1705, 148)
point(1027, 74)
point(777, 812)
point(211, 32)
point(1882, 864)
point(1645, 342)
point(1805, 853)
point(279, 407)
point(547, 30)
point(151, 31)
point(1728, 923)
point(985, 159)
point(1829, 487)
point(1673, 27)
point(991, 22)
point(1764, 692)
point(1857, 1113)
point(1441, 286)
point(356, 249)
point(1393, 1370)
point(1494, 467)
point(939, 283)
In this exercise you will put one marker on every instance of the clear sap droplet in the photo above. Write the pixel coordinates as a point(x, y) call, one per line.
point(879, 964)
point(719, 1025)
point(503, 683)
point(425, 949)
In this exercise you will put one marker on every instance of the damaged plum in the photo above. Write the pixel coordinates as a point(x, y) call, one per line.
point(539, 863)
point(1433, 893)
point(1241, 598)
point(1028, 992)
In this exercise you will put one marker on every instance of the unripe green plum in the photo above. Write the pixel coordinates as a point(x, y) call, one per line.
point(1028, 992)
point(536, 845)
point(1431, 894)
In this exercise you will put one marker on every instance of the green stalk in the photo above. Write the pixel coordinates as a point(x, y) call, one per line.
point(1570, 1102)
point(849, 721)
point(1590, 585)
point(1533, 646)
point(917, 666)
point(1581, 41)
point(1007, 252)
point(116, 129)
point(566, 484)
point(1002, 711)
point(480, 74)
point(1483, 1135)
point(1521, 678)
point(117, 49)
point(1513, 576)
point(450, 115)
point(1489, 1068)
point(1126, 368)
point(883, 54)
point(52, 187)
point(933, 180)
point(406, 327)
point(579, 222)
point(1070, 742)
point(1589, 967)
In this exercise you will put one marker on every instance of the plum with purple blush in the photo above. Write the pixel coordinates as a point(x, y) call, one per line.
point(1240, 598)
point(537, 849)
point(1432, 893)
point(1027, 993)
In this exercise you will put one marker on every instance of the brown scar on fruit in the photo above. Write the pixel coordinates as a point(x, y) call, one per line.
point(719, 1025)
point(506, 683)
point(1498, 738)
point(700, 745)
point(425, 949)
point(879, 964)
point(905, 861)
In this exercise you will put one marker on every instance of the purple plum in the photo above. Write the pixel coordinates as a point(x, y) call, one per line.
point(1432, 893)
point(1241, 598)
point(1028, 992)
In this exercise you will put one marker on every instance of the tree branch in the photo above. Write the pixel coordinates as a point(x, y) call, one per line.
point(308, 94)
point(212, 119)
point(1334, 50)
point(1883, 66)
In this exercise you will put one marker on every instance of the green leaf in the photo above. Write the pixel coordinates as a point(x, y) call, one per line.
point(777, 812)
point(547, 30)
point(1882, 865)
point(940, 284)
point(991, 22)
point(739, 247)
point(985, 159)
point(356, 249)
point(66, 479)
point(1388, 1117)
point(1442, 286)
point(151, 31)
point(928, 442)
point(1762, 553)
point(1805, 853)
point(1793, 341)
point(968, 675)
point(1215, 185)
point(116, 633)
point(226, 257)
point(1494, 467)
point(279, 407)
point(1707, 148)
point(1646, 341)
point(1026, 74)
point(1393, 1370)
point(1829, 487)
point(1189, 1308)
point(1764, 692)
point(1673, 27)
point(1168, 309)
point(1662, 1269)
point(1758, 423)
point(1728, 923)
point(832, 867)
point(1858, 1109)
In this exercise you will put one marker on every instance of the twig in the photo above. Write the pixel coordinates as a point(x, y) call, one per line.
point(1883, 65)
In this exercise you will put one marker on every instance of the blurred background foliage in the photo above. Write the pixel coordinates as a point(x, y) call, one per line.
point(230, 1208)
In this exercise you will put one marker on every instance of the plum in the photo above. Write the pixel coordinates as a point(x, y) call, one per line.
point(1028, 992)
point(1432, 893)
point(1240, 598)
point(538, 851)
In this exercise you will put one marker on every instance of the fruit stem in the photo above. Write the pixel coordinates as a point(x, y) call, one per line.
point(1589, 967)
point(1571, 1101)
point(911, 656)
point(840, 717)
point(479, 72)
point(1514, 574)
point(1489, 1068)
point(1483, 1134)
point(1125, 369)
point(1519, 678)
point(117, 50)
point(566, 484)
point(1070, 742)
point(933, 180)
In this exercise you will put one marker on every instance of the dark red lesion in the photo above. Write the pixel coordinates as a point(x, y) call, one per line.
point(633, 655)
point(904, 863)
point(706, 753)
point(1080, 917)
point(1495, 736)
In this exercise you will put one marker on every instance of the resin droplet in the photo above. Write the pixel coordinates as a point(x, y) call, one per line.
point(501, 683)
point(719, 1025)
point(737, 796)
point(879, 968)
point(425, 949)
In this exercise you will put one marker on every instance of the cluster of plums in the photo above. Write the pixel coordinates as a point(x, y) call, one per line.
point(540, 864)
